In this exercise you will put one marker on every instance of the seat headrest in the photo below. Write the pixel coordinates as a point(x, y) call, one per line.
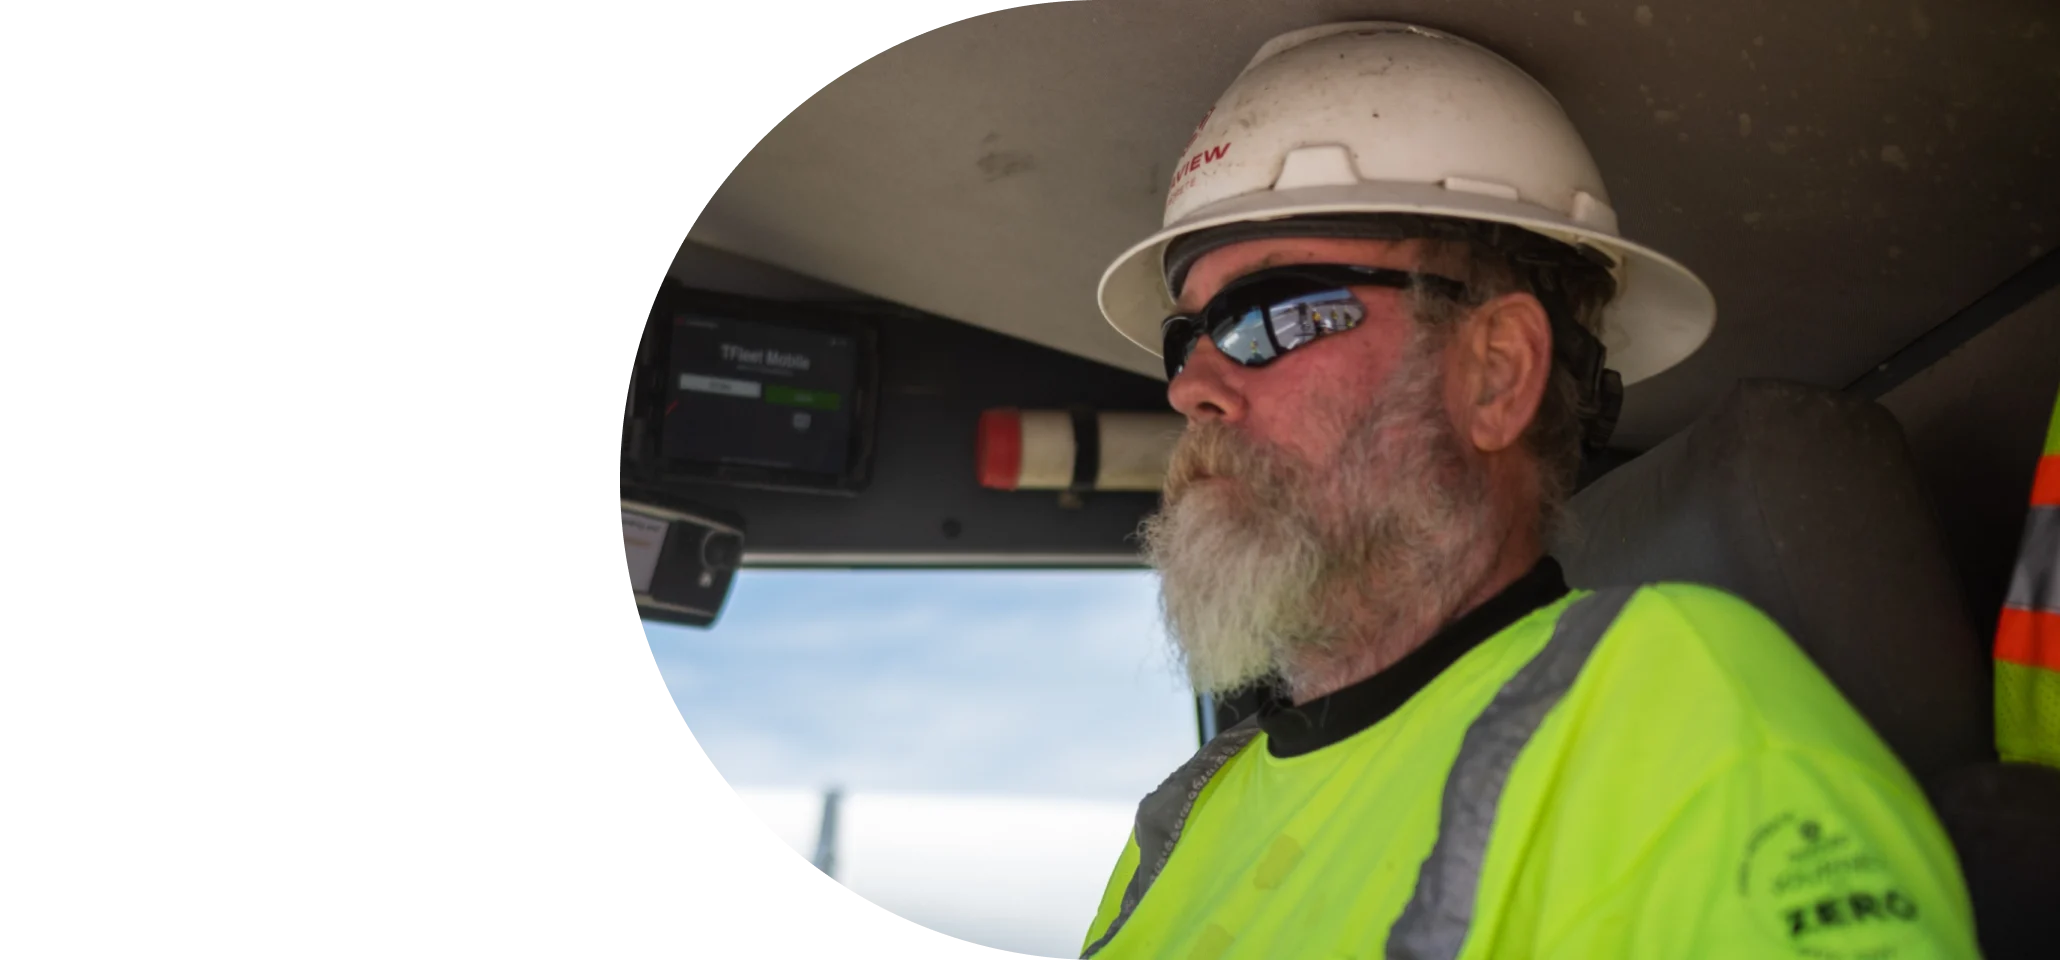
point(1802, 500)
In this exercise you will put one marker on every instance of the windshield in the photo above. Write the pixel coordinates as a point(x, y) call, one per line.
point(988, 734)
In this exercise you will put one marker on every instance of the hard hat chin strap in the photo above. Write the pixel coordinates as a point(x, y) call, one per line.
point(1550, 268)
point(1598, 390)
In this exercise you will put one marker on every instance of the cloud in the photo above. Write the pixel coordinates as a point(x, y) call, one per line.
point(1013, 873)
point(952, 707)
point(1051, 683)
point(1029, 872)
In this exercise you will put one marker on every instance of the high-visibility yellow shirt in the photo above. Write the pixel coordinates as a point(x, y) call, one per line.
point(2028, 633)
point(1685, 785)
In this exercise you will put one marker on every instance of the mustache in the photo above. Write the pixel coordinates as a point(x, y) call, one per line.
point(1210, 450)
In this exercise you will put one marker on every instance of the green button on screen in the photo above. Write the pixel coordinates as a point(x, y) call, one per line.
point(810, 399)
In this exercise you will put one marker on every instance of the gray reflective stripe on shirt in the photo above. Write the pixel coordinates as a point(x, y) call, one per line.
point(1435, 923)
point(1163, 814)
point(2035, 585)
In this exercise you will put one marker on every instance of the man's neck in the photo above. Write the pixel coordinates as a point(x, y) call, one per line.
point(1323, 672)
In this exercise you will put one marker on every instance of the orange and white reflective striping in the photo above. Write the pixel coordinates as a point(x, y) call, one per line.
point(2028, 633)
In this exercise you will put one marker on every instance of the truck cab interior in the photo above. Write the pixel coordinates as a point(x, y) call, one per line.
point(1865, 185)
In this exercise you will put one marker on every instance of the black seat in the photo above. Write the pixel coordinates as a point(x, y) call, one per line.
point(1802, 500)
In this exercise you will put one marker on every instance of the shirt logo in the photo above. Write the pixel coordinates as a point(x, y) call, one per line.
point(1822, 893)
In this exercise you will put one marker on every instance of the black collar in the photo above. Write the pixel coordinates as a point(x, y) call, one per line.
point(1292, 731)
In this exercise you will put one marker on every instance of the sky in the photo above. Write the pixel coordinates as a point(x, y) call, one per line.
point(992, 731)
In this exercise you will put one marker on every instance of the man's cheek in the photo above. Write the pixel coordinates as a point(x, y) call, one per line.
point(1325, 426)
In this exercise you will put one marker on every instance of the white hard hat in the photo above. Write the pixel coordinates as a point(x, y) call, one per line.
point(1376, 117)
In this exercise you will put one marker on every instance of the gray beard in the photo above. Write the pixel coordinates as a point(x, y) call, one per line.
point(1277, 569)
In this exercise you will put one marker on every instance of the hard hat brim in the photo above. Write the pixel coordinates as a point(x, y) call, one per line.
point(1662, 312)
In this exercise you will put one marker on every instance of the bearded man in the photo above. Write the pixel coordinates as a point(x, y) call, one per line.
point(1385, 263)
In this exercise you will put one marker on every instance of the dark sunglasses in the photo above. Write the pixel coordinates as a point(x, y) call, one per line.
point(1257, 318)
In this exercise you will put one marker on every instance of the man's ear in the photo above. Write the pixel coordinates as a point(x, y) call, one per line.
point(1506, 355)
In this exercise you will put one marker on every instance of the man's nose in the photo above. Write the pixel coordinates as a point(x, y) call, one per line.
point(1207, 388)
